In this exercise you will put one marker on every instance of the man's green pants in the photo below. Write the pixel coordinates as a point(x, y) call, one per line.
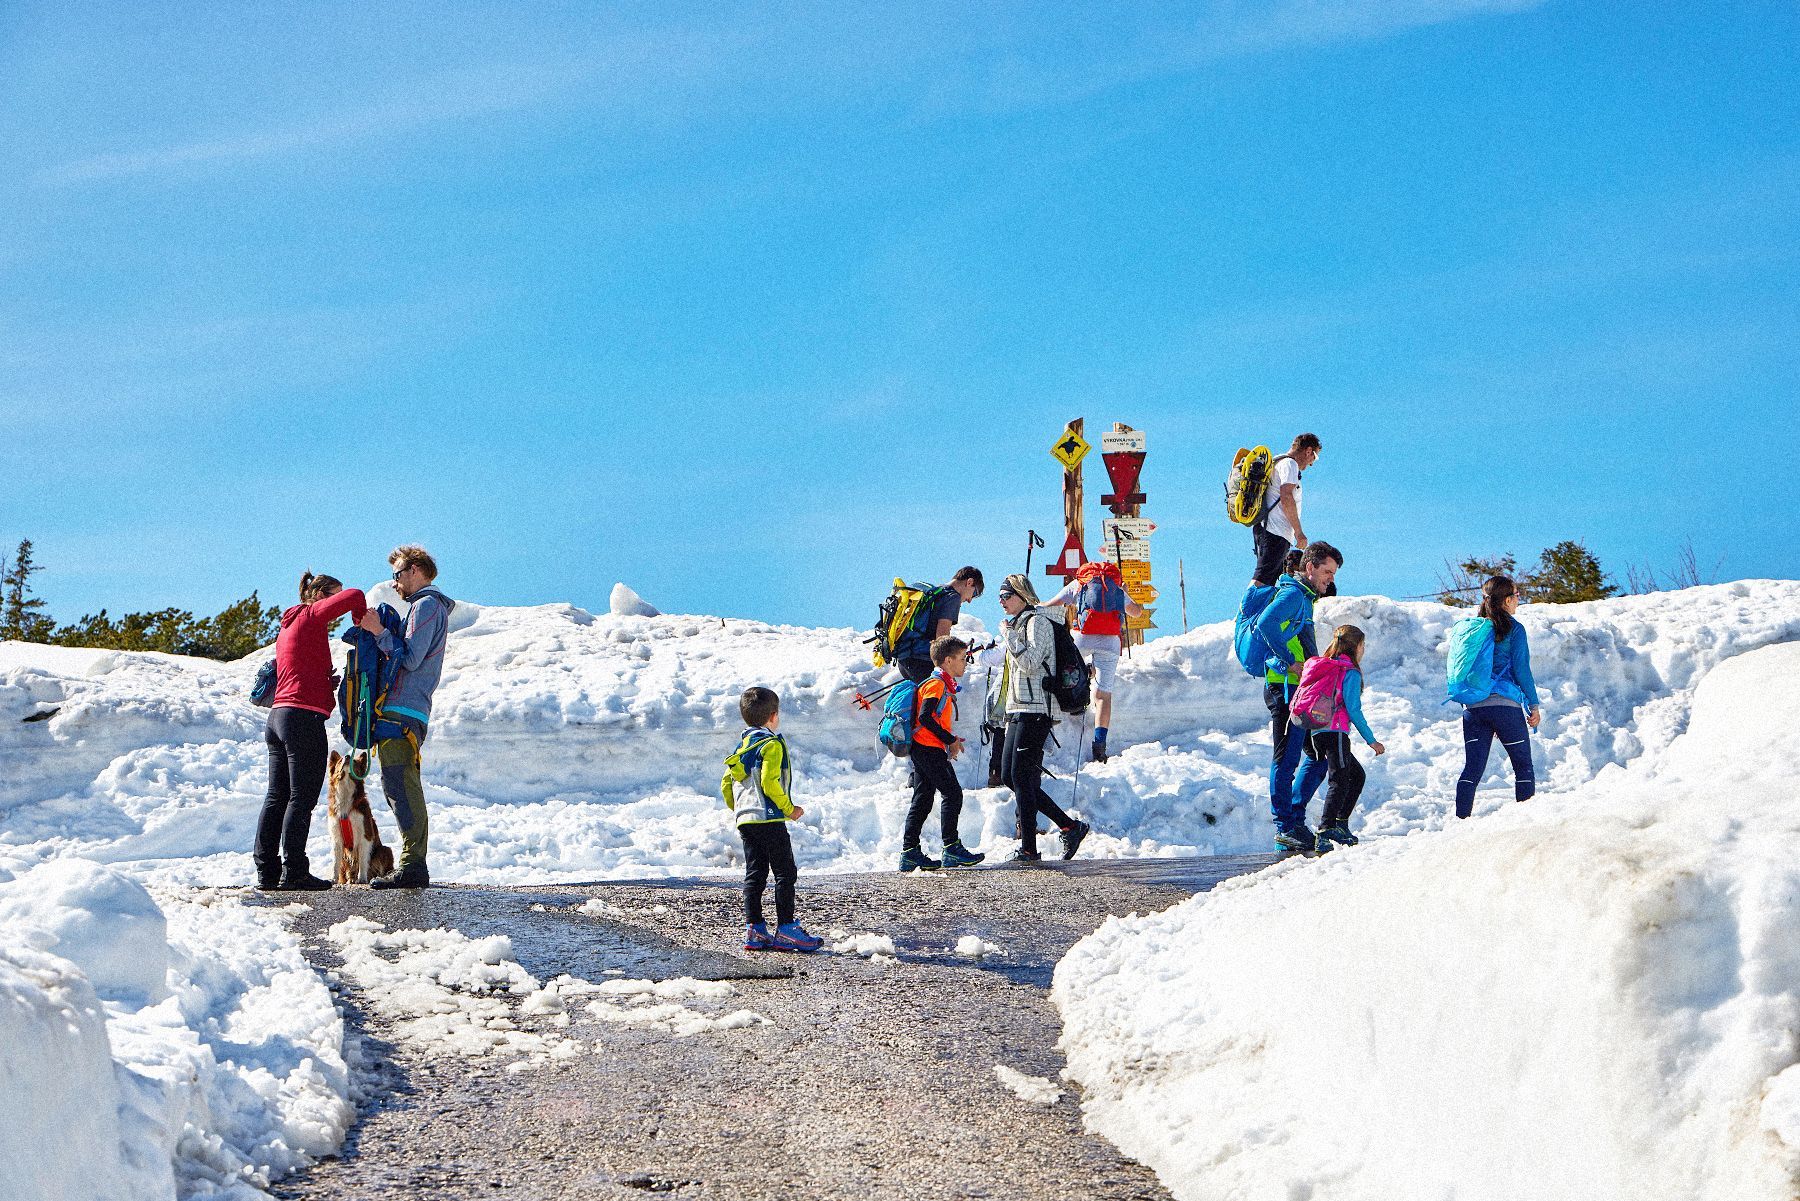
point(405, 796)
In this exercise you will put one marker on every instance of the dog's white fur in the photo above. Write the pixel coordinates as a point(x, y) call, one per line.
point(364, 857)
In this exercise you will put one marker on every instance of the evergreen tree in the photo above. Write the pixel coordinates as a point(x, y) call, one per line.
point(236, 631)
point(22, 615)
point(1460, 585)
point(1568, 572)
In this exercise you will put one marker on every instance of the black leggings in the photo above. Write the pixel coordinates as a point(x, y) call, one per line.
point(933, 774)
point(1023, 763)
point(297, 749)
point(767, 848)
point(1346, 776)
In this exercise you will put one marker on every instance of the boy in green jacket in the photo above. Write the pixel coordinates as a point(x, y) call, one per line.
point(761, 768)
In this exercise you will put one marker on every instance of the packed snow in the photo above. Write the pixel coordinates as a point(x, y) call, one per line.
point(1592, 995)
point(567, 745)
point(1611, 948)
point(157, 1046)
point(1032, 1089)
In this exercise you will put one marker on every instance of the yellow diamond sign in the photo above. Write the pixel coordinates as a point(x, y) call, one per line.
point(1070, 449)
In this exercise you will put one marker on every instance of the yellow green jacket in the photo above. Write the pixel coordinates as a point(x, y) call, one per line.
point(762, 768)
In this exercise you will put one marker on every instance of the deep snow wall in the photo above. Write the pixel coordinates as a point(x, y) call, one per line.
point(567, 744)
point(1595, 996)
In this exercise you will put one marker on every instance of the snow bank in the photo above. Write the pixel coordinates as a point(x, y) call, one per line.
point(1595, 995)
point(157, 1050)
point(568, 745)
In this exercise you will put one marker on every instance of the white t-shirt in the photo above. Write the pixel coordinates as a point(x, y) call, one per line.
point(1286, 472)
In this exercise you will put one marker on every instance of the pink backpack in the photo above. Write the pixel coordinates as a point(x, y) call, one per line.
point(1316, 702)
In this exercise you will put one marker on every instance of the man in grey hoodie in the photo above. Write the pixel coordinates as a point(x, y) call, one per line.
point(421, 654)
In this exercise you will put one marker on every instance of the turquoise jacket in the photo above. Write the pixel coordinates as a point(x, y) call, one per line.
point(1285, 627)
point(1512, 668)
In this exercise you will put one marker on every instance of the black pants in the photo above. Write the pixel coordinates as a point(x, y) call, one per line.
point(767, 849)
point(1271, 554)
point(1345, 778)
point(1023, 764)
point(933, 775)
point(916, 670)
point(297, 748)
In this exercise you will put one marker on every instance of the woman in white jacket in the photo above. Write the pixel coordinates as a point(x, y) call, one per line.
point(1030, 646)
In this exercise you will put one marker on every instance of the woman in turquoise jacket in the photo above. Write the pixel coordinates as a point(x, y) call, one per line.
point(1511, 711)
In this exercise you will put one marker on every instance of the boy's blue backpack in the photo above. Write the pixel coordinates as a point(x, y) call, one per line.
point(1469, 674)
point(896, 731)
point(1252, 652)
point(262, 692)
point(368, 674)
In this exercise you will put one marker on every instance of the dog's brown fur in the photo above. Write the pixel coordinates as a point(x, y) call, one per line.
point(352, 821)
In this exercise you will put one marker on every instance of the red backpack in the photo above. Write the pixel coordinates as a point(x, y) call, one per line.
point(1100, 605)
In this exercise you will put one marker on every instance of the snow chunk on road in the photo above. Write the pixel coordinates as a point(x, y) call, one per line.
point(1035, 1089)
point(868, 945)
point(1592, 996)
point(971, 946)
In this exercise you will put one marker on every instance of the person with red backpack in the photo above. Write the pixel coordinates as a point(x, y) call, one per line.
point(1332, 684)
point(1101, 606)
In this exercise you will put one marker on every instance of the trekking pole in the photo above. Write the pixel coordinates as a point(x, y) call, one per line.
point(1119, 558)
point(866, 703)
point(1032, 541)
point(1181, 574)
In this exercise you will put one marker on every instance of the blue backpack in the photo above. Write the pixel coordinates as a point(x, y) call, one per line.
point(1100, 606)
point(262, 692)
point(368, 674)
point(896, 732)
point(1252, 652)
point(1469, 674)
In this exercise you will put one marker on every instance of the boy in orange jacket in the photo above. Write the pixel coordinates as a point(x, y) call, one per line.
point(933, 753)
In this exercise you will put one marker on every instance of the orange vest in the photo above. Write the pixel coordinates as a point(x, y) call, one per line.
point(937, 696)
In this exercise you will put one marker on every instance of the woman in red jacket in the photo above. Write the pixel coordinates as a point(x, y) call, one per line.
point(305, 694)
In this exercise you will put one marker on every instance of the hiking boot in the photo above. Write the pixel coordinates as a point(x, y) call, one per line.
point(304, 882)
point(1339, 833)
point(758, 938)
point(994, 780)
point(1298, 839)
point(1322, 843)
point(1071, 838)
point(268, 880)
point(412, 876)
point(1099, 750)
point(912, 859)
point(958, 855)
point(1024, 856)
point(792, 938)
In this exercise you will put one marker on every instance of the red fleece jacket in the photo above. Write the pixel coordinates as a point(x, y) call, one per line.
point(303, 652)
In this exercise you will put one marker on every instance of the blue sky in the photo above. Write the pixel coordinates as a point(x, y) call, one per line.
point(755, 307)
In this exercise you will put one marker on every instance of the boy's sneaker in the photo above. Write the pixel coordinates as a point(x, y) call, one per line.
point(1071, 838)
point(1339, 833)
point(792, 938)
point(1322, 843)
point(1099, 750)
point(958, 855)
point(1299, 838)
point(1023, 856)
point(758, 938)
point(912, 859)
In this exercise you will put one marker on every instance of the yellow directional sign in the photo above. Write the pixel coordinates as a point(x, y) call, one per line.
point(1070, 449)
point(1135, 571)
point(1141, 621)
point(1143, 594)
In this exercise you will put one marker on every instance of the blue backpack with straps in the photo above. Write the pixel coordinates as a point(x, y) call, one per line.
point(896, 732)
point(368, 674)
point(1252, 652)
point(1469, 672)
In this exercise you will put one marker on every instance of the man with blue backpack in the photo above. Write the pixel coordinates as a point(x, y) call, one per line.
point(405, 710)
point(1101, 607)
point(1273, 638)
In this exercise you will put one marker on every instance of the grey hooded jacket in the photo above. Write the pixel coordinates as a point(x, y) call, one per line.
point(421, 655)
point(1030, 643)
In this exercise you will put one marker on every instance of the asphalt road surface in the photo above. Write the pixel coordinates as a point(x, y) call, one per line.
point(870, 1079)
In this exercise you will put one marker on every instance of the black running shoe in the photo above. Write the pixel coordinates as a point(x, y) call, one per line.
point(1071, 838)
